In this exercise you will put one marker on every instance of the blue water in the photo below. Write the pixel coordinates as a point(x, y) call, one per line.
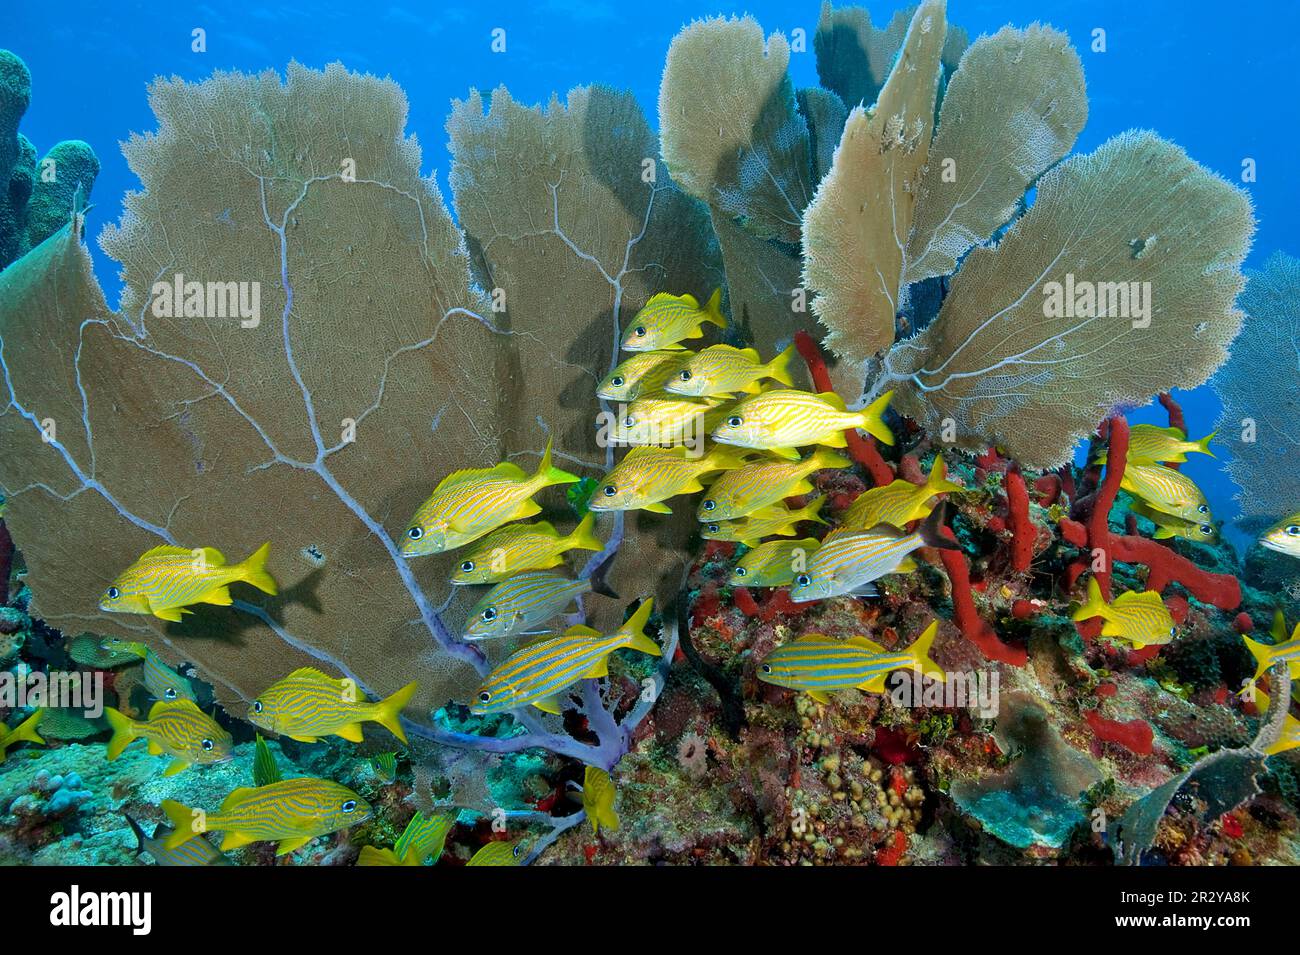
point(1216, 78)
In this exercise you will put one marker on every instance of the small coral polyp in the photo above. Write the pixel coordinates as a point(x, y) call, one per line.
point(913, 630)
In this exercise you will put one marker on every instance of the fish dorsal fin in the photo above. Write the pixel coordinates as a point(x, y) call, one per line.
point(505, 470)
point(863, 643)
point(540, 527)
point(832, 399)
point(163, 707)
point(1148, 598)
point(310, 673)
point(687, 298)
point(238, 797)
point(168, 550)
point(667, 298)
point(810, 638)
point(581, 630)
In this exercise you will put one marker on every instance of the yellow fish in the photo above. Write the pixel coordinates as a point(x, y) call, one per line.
point(782, 420)
point(900, 502)
point(470, 503)
point(775, 521)
point(774, 564)
point(1167, 490)
point(1168, 526)
point(291, 812)
point(722, 369)
point(24, 732)
point(1290, 736)
point(756, 486)
point(1281, 650)
point(308, 704)
point(667, 419)
point(1150, 444)
point(421, 841)
point(642, 374)
point(598, 799)
point(167, 580)
point(518, 547)
point(496, 853)
point(648, 476)
point(1284, 537)
point(666, 319)
point(175, 727)
point(820, 665)
point(1140, 618)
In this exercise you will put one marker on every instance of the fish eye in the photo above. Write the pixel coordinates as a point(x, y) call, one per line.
point(467, 565)
point(415, 533)
point(685, 375)
point(1293, 530)
point(484, 697)
point(257, 706)
point(169, 693)
point(617, 381)
point(766, 668)
point(639, 331)
point(741, 571)
point(803, 580)
point(629, 421)
point(207, 744)
point(713, 528)
point(1173, 631)
point(1206, 529)
point(735, 421)
point(710, 504)
point(113, 593)
point(610, 490)
point(1203, 509)
point(349, 806)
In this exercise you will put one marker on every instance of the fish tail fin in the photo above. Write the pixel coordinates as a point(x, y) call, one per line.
point(1095, 606)
point(826, 458)
point(1204, 444)
point(388, 713)
point(873, 419)
point(124, 732)
point(937, 481)
point(779, 367)
point(137, 832)
point(812, 511)
point(931, 531)
point(919, 651)
point(636, 624)
point(1263, 654)
point(253, 571)
point(549, 474)
point(26, 731)
point(183, 821)
point(713, 309)
point(584, 535)
point(599, 577)
point(1279, 626)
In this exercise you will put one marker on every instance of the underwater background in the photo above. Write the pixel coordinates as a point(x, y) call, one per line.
point(311, 633)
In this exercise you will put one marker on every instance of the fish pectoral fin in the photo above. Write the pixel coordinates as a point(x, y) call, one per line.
point(548, 704)
point(305, 739)
point(234, 840)
point(219, 596)
point(819, 696)
point(659, 508)
point(351, 733)
point(177, 766)
point(865, 590)
point(289, 845)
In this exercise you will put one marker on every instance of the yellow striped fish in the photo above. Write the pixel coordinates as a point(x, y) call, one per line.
point(667, 419)
point(308, 704)
point(1167, 490)
point(196, 852)
point(722, 370)
point(1290, 736)
point(1281, 650)
point(1168, 526)
point(1284, 537)
point(470, 503)
point(849, 560)
point(773, 564)
point(420, 843)
point(775, 521)
point(167, 580)
point(820, 665)
point(1140, 618)
point(782, 420)
point(754, 487)
point(1150, 444)
point(647, 477)
point(291, 812)
point(899, 502)
point(497, 853)
point(519, 547)
point(538, 673)
point(666, 319)
point(24, 732)
point(598, 794)
point(522, 603)
point(178, 728)
point(162, 682)
point(642, 374)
